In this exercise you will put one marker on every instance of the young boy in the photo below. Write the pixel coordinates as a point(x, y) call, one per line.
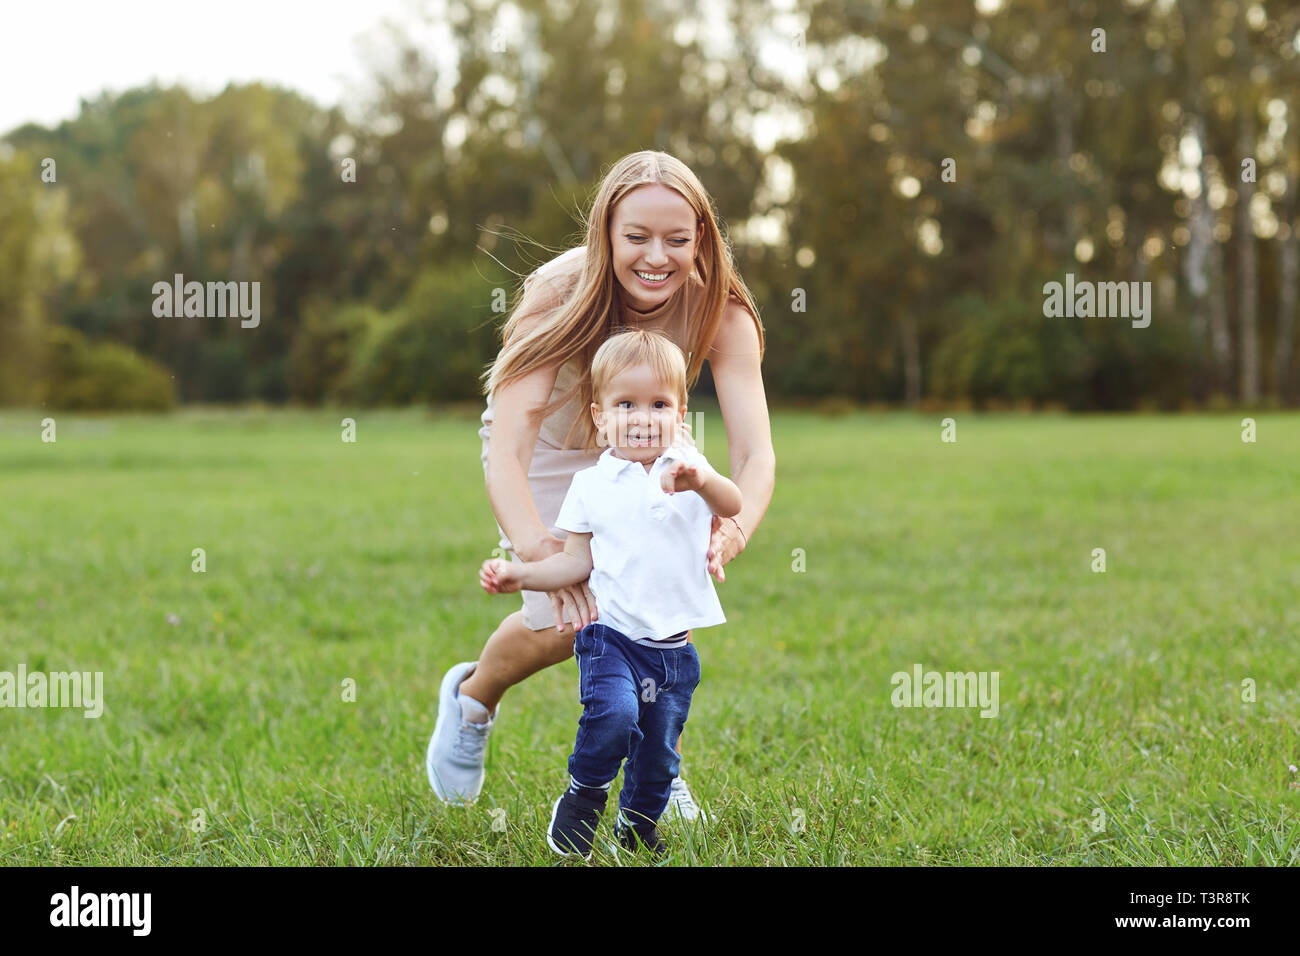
point(638, 523)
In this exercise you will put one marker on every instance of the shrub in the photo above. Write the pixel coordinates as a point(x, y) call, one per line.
point(1007, 350)
point(101, 376)
point(325, 348)
point(431, 348)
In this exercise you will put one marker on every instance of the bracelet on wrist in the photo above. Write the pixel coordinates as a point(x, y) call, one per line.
point(743, 539)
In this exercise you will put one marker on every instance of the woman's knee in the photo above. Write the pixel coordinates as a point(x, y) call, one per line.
point(560, 644)
point(555, 645)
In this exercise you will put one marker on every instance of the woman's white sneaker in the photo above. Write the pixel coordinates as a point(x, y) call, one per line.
point(681, 805)
point(458, 746)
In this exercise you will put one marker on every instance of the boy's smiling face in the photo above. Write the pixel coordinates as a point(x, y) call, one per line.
point(637, 415)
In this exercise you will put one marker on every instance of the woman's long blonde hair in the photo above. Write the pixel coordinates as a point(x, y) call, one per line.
point(584, 319)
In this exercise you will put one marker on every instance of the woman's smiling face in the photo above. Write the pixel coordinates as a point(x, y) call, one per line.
point(653, 234)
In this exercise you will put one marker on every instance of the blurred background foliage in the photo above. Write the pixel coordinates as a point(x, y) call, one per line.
point(820, 130)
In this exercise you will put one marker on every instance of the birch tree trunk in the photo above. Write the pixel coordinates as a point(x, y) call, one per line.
point(1247, 266)
point(1288, 276)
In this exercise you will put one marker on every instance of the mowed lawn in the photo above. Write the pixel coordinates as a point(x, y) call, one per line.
point(1122, 736)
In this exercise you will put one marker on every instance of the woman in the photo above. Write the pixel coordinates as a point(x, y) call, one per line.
point(654, 259)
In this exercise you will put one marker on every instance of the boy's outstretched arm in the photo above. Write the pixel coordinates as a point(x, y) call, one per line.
point(720, 493)
point(570, 566)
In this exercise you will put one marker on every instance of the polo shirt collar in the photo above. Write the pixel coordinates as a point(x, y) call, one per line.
point(611, 467)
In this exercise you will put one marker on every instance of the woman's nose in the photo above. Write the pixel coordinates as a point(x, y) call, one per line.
point(657, 256)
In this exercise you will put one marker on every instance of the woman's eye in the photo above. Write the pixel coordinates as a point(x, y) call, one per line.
point(661, 404)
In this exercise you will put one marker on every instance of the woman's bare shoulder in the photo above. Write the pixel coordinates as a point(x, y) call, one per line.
point(565, 265)
point(737, 332)
point(547, 287)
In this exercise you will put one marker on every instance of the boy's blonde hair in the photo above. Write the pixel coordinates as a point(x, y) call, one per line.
point(633, 348)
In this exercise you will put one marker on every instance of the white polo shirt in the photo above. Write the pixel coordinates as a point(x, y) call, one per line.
point(650, 573)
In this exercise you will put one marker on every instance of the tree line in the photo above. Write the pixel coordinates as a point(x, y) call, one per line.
point(935, 167)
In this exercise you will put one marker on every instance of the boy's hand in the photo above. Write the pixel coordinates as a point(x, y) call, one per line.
point(679, 476)
point(499, 576)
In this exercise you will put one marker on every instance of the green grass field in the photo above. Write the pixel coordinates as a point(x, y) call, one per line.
point(1122, 735)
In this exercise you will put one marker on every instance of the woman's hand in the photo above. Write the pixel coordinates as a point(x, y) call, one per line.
point(725, 543)
point(576, 600)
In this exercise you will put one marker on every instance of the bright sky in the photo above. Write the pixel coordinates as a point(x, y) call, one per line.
point(50, 58)
point(51, 55)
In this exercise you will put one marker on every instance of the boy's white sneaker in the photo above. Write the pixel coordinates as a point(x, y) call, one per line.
point(681, 804)
point(458, 746)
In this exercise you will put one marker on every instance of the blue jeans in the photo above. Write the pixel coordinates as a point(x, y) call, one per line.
point(635, 700)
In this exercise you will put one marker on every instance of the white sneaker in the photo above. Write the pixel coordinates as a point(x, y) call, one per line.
point(454, 760)
point(681, 804)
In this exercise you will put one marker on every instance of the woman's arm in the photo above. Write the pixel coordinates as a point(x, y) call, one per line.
point(514, 436)
point(510, 452)
point(738, 379)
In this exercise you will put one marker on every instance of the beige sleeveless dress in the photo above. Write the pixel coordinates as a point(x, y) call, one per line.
point(553, 466)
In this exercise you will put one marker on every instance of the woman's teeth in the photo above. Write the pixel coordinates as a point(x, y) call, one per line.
point(653, 278)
